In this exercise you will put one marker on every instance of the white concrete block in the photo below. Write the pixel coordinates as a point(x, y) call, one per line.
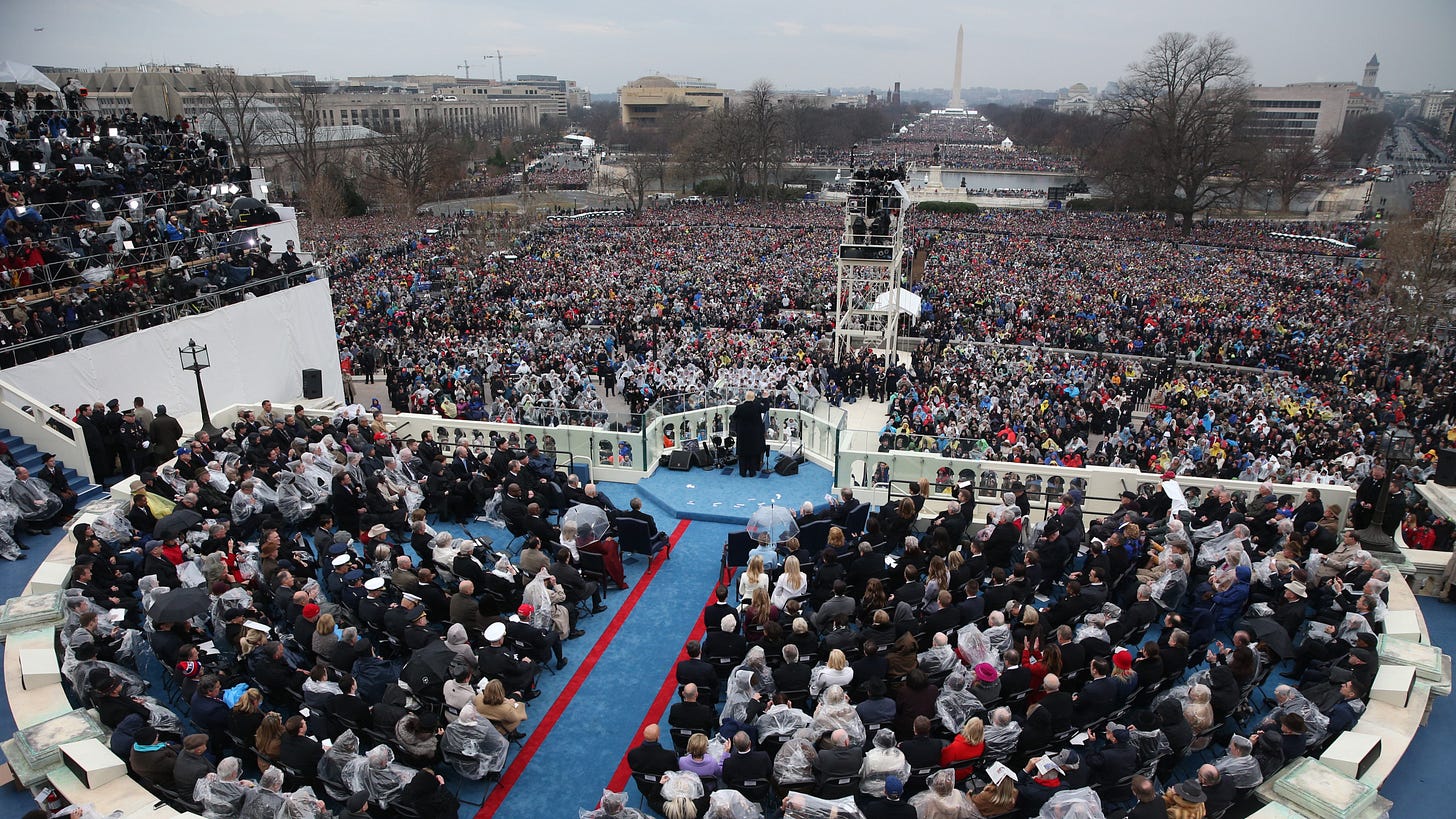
point(1393, 685)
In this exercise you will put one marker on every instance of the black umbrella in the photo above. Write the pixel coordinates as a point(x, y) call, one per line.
point(176, 523)
point(87, 159)
point(93, 183)
point(179, 605)
point(1271, 634)
point(246, 203)
point(428, 668)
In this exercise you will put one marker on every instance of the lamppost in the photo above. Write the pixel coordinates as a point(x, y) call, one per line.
point(194, 358)
point(1399, 447)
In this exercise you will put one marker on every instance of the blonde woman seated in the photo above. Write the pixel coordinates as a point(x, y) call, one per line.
point(753, 579)
point(998, 797)
point(503, 712)
point(941, 799)
point(792, 583)
point(834, 671)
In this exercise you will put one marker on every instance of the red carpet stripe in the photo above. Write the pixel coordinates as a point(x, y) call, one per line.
point(517, 767)
point(659, 704)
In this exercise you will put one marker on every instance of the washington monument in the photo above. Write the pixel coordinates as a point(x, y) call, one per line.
point(955, 87)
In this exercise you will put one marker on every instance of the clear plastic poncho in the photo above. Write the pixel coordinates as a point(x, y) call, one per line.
point(975, 648)
point(880, 761)
point(302, 804)
point(332, 764)
point(222, 794)
point(803, 806)
point(33, 499)
point(613, 806)
point(9, 516)
point(1001, 740)
point(1082, 803)
point(781, 720)
point(941, 800)
point(1316, 724)
point(740, 693)
point(833, 712)
point(473, 746)
point(291, 501)
point(378, 775)
point(113, 527)
point(955, 703)
point(794, 763)
point(726, 803)
point(263, 804)
point(681, 784)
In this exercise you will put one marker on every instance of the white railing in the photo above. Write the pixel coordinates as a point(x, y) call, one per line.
point(44, 428)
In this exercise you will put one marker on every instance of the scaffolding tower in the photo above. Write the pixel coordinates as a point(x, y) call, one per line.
point(871, 256)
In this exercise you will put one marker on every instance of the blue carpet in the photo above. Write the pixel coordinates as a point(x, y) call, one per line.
point(600, 724)
point(13, 577)
point(1418, 784)
point(709, 495)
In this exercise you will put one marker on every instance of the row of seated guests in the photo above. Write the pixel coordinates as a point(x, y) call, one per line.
point(286, 639)
point(893, 690)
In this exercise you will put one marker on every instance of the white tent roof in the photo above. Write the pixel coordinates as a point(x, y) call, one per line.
point(909, 302)
point(23, 74)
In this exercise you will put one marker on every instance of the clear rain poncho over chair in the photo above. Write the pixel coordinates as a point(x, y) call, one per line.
point(941, 800)
point(332, 764)
point(834, 711)
point(740, 693)
point(377, 774)
point(880, 761)
point(302, 804)
point(1082, 803)
point(803, 806)
point(221, 794)
point(726, 803)
point(782, 721)
point(613, 806)
point(473, 746)
point(794, 763)
point(975, 648)
point(956, 703)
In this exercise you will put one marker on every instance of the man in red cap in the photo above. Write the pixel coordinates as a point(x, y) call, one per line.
point(303, 628)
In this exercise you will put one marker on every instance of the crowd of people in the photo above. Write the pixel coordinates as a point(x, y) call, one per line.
point(105, 217)
point(945, 666)
point(706, 299)
point(320, 629)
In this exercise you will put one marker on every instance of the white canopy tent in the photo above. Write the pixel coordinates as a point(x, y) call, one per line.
point(909, 303)
point(13, 73)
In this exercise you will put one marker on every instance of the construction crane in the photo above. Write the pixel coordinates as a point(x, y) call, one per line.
point(500, 65)
point(465, 65)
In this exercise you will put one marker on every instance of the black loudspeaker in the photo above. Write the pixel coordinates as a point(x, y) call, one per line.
point(313, 383)
point(786, 466)
point(680, 461)
point(1446, 467)
point(703, 458)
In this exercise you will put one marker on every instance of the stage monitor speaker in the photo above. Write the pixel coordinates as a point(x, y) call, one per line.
point(703, 458)
point(1446, 467)
point(680, 461)
point(786, 466)
point(313, 383)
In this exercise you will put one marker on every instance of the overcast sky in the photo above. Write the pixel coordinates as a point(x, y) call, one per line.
point(795, 43)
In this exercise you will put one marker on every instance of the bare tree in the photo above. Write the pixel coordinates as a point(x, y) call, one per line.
point(726, 144)
point(765, 123)
point(641, 169)
point(1287, 165)
point(232, 103)
point(1186, 101)
point(1420, 269)
point(422, 158)
point(298, 137)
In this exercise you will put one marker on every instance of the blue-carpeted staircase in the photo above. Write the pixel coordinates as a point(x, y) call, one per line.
point(28, 456)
